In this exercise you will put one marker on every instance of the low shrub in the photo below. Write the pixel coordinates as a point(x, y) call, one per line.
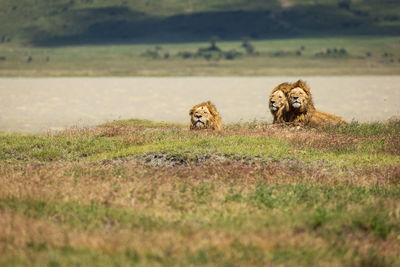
point(333, 53)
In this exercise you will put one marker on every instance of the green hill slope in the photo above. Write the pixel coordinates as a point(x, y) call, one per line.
point(58, 22)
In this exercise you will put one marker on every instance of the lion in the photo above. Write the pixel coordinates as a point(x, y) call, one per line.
point(278, 103)
point(205, 116)
point(302, 110)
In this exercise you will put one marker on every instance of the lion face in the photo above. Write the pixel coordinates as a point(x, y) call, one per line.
point(201, 117)
point(277, 101)
point(298, 98)
point(205, 116)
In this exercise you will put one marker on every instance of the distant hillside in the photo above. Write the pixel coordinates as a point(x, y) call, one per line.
point(59, 22)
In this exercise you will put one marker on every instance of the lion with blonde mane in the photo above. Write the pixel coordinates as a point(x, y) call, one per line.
point(278, 103)
point(205, 116)
point(302, 110)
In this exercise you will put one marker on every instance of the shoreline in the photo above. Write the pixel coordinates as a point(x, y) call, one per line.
point(39, 104)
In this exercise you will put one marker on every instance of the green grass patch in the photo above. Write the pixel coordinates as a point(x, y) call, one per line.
point(69, 256)
point(355, 208)
point(54, 148)
point(89, 217)
point(391, 128)
point(196, 145)
point(129, 139)
point(143, 124)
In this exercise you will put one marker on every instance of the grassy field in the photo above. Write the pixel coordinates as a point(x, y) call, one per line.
point(155, 194)
point(299, 57)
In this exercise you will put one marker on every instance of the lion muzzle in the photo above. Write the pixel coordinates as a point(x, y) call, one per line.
point(296, 104)
point(272, 106)
point(199, 124)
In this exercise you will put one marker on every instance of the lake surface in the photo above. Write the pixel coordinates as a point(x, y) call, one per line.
point(41, 104)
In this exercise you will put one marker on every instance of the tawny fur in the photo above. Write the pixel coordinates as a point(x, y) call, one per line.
point(320, 118)
point(281, 115)
point(213, 122)
point(307, 114)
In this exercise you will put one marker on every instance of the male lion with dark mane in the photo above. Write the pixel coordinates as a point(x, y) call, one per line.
point(278, 103)
point(302, 110)
point(205, 116)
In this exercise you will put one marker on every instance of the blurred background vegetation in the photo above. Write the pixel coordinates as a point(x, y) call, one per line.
point(196, 37)
point(42, 22)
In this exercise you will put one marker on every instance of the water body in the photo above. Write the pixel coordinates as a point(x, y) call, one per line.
point(41, 104)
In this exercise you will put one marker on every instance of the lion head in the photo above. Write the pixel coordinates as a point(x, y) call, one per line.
point(279, 106)
point(205, 116)
point(277, 100)
point(278, 103)
point(300, 98)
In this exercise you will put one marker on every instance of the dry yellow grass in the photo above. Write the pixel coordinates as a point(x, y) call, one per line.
point(203, 207)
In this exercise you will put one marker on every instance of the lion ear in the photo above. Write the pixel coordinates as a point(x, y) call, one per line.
point(191, 111)
point(302, 85)
point(211, 107)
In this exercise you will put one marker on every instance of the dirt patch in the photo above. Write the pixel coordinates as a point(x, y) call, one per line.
point(162, 160)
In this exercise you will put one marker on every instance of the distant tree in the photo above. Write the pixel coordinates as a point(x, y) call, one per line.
point(213, 42)
point(247, 45)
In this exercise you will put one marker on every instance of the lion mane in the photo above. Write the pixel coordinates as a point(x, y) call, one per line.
point(302, 110)
point(205, 116)
point(279, 104)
